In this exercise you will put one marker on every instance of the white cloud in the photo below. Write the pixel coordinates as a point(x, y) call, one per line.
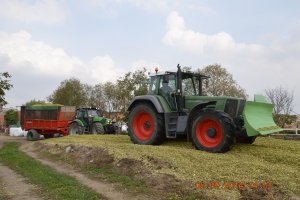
point(45, 11)
point(37, 68)
point(102, 69)
point(256, 67)
point(23, 53)
point(195, 42)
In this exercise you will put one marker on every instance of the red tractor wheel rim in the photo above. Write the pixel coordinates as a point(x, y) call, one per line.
point(203, 133)
point(143, 126)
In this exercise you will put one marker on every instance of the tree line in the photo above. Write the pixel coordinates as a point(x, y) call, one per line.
point(116, 96)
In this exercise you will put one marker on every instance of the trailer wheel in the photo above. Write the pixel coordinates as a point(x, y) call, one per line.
point(97, 128)
point(33, 135)
point(146, 126)
point(212, 131)
point(75, 129)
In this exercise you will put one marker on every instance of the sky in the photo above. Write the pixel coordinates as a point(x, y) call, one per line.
point(43, 42)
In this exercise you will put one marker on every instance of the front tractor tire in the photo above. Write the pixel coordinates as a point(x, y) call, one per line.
point(97, 128)
point(212, 131)
point(146, 126)
point(75, 129)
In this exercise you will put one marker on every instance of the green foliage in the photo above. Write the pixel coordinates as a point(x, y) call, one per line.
point(221, 82)
point(52, 183)
point(33, 102)
point(5, 85)
point(11, 117)
point(130, 85)
point(71, 92)
point(97, 97)
point(109, 97)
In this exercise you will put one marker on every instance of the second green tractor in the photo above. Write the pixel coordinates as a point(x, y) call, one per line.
point(91, 120)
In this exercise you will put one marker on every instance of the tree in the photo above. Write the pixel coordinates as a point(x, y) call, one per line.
point(221, 82)
point(71, 92)
point(97, 97)
point(110, 98)
point(130, 85)
point(283, 104)
point(11, 117)
point(5, 85)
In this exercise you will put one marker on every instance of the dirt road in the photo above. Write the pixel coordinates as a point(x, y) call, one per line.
point(14, 185)
point(18, 188)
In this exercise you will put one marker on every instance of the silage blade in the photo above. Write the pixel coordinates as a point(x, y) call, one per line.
point(258, 117)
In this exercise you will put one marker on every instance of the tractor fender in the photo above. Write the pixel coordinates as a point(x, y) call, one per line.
point(78, 122)
point(146, 98)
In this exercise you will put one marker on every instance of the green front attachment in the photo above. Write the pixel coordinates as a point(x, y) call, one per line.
point(258, 117)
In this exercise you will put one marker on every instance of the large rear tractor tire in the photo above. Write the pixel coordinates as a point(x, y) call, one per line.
point(212, 131)
point(146, 126)
point(75, 129)
point(97, 128)
point(33, 135)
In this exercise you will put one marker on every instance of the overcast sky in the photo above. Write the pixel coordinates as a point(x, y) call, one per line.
point(43, 42)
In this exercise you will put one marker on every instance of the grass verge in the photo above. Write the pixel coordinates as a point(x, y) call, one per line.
point(52, 184)
point(102, 173)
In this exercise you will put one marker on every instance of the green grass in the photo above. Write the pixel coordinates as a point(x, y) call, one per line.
point(53, 184)
point(109, 174)
point(268, 159)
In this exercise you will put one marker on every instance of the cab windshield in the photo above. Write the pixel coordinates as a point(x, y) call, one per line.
point(93, 113)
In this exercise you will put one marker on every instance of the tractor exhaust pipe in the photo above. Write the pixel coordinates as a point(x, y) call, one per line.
point(179, 98)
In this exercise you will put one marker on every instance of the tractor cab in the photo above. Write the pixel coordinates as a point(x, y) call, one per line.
point(174, 86)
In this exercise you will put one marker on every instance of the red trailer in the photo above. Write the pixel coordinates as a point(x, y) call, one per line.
point(46, 120)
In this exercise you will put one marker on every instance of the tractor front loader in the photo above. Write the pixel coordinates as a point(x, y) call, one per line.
point(175, 106)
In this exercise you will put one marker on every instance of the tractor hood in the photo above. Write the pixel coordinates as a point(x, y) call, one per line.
point(257, 114)
point(102, 120)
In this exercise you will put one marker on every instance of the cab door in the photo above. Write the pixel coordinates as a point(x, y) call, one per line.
point(167, 89)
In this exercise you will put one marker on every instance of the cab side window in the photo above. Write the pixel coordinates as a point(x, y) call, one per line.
point(167, 87)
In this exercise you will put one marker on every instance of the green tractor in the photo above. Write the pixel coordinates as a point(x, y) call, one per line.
point(90, 120)
point(175, 107)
